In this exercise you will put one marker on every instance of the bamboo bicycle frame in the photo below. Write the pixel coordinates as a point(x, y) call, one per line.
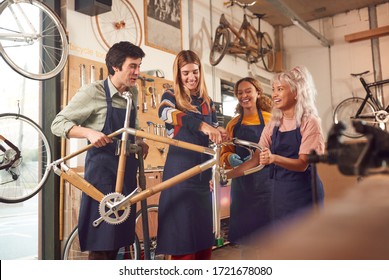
point(79, 182)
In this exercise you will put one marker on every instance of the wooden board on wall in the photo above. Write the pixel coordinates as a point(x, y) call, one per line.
point(75, 71)
point(152, 88)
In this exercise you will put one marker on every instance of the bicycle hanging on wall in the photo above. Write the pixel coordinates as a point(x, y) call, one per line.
point(25, 155)
point(367, 109)
point(33, 40)
point(249, 43)
point(33, 43)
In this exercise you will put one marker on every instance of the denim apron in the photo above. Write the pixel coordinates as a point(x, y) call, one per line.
point(185, 222)
point(292, 191)
point(250, 208)
point(100, 170)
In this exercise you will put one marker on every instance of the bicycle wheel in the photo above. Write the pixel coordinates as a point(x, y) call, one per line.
point(346, 112)
point(152, 212)
point(72, 249)
point(220, 45)
point(267, 52)
point(33, 42)
point(22, 177)
point(122, 23)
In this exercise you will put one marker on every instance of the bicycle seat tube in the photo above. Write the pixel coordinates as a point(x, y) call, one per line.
point(123, 145)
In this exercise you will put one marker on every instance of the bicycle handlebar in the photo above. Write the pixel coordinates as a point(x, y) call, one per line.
point(249, 144)
point(357, 158)
point(360, 74)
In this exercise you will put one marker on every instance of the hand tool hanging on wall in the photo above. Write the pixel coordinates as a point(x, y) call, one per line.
point(153, 97)
point(148, 126)
point(101, 74)
point(92, 73)
point(83, 75)
point(144, 79)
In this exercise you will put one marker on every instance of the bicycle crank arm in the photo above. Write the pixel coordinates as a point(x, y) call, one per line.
point(97, 222)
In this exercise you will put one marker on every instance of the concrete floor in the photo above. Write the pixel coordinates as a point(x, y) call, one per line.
point(226, 252)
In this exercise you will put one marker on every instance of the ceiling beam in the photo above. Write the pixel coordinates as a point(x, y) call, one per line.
point(296, 20)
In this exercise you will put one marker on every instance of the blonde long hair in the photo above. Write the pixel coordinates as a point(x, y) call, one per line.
point(301, 82)
point(263, 102)
point(182, 94)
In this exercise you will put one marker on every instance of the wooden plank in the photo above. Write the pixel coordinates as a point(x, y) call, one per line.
point(368, 34)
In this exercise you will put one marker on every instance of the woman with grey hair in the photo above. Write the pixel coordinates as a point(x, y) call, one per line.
point(287, 140)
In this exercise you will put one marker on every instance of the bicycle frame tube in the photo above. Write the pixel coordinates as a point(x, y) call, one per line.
point(367, 87)
point(215, 198)
point(369, 94)
point(123, 145)
point(21, 35)
point(13, 147)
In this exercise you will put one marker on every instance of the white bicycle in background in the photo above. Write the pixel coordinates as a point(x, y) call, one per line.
point(33, 41)
point(25, 154)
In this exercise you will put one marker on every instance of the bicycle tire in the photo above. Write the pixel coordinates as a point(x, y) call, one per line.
point(31, 169)
point(267, 52)
point(346, 111)
point(72, 249)
point(42, 55)
point(220, 45)
point(122, 23)
point(152, 211)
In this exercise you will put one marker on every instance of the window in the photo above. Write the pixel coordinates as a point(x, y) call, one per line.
point(229, 100)
point(19, 221)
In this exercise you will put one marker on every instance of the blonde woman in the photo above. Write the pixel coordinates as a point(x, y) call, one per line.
point(185, 210)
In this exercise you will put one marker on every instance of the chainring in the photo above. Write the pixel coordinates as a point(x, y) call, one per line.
point(110, 216)
point(382, 116)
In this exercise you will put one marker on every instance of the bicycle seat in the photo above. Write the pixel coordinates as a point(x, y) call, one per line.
point(359, 74)
point(259, 15)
